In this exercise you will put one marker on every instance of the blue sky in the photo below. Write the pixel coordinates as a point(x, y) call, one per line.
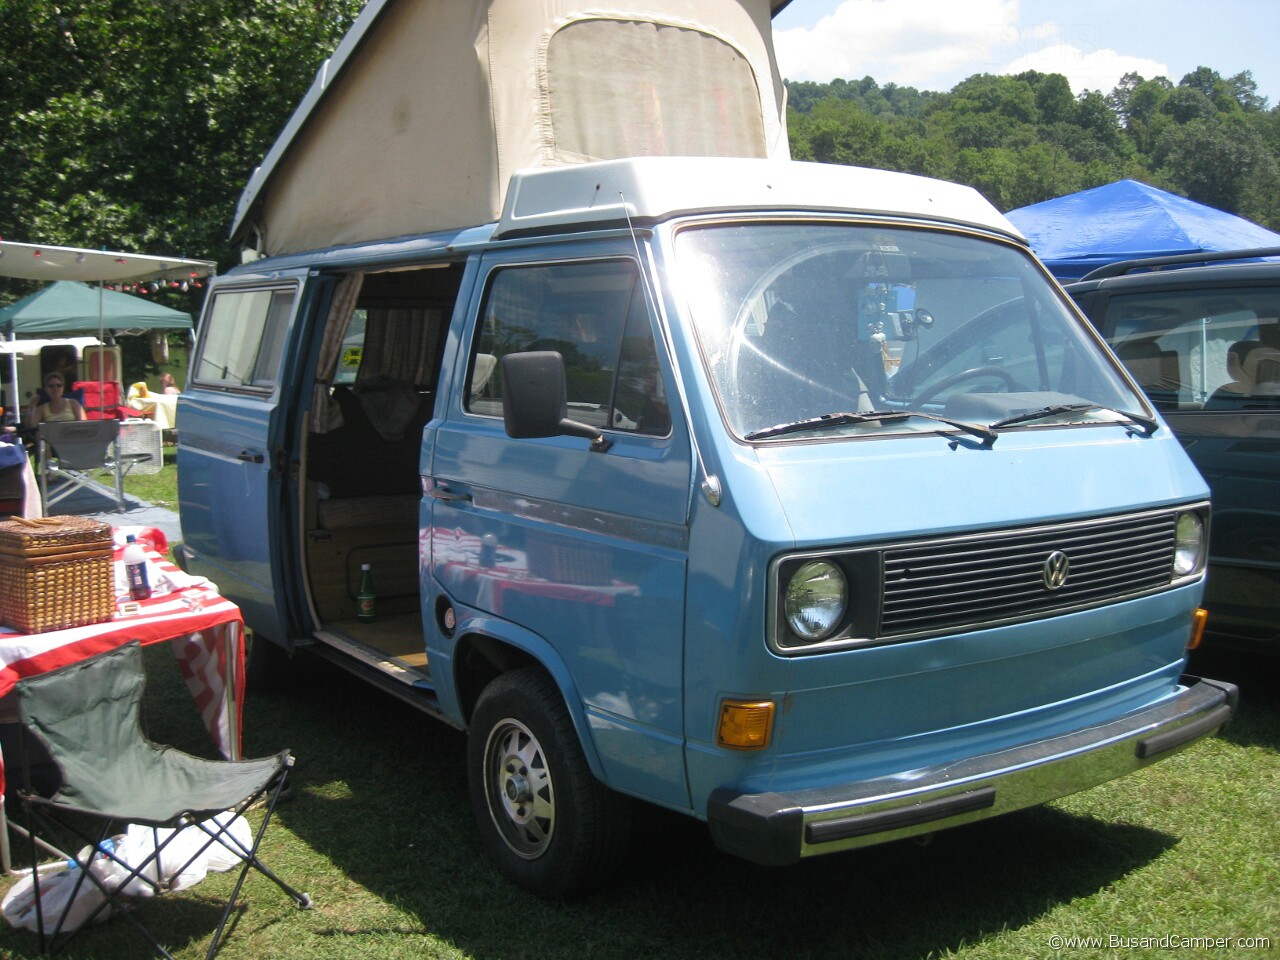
point(934, 44)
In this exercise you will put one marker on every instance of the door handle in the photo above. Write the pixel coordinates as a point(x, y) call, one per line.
point(250, 456)
point(449, 496)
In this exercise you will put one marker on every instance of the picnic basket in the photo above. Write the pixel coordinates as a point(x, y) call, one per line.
point(55, 573)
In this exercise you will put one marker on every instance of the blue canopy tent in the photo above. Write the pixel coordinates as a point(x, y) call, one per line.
point(1127, 220)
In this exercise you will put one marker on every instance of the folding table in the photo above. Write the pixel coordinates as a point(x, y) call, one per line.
point(204, 630)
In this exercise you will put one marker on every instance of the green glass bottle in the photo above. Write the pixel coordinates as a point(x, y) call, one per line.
point(366, 600)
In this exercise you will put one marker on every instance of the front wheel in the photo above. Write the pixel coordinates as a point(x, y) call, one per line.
point(545, 820)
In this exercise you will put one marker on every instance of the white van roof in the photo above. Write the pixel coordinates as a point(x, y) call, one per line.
point(653, 188)
point(427, 108)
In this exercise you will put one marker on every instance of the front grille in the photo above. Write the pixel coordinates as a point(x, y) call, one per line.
point(960, 583)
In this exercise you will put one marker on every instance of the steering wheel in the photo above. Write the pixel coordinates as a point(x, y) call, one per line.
point(973, 373)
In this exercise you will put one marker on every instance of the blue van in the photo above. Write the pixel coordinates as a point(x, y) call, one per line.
point(781, 495)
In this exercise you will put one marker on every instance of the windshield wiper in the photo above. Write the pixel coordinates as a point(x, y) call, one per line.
point(1149, 424)
point(987, 435)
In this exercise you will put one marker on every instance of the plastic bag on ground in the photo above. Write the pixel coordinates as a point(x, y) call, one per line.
point(19, 904)
point(223, 855)
point(170, 871)
point(181, 864)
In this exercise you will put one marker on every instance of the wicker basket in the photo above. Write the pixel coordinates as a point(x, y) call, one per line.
point(55, 573)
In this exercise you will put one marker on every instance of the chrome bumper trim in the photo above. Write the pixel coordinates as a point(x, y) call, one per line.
point(780, 828)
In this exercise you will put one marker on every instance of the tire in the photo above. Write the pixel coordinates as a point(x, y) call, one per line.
point(546, 822)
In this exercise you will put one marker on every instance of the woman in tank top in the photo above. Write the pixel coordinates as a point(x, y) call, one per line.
point(59, 407)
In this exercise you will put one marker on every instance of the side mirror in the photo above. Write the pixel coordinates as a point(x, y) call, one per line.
point(533, 399)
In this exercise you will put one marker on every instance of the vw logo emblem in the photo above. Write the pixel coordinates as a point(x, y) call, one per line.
point(1056, 568)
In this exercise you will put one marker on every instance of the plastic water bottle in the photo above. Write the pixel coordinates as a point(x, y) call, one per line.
point(135, 568)
point(101, 852)
point(366, 599)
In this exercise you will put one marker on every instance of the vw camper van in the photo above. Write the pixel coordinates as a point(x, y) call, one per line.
point(777, 494)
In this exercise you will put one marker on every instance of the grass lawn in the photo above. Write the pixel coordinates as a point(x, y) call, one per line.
point(160, 488)
point(379, 831)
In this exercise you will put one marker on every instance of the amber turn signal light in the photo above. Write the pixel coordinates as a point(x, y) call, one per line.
point(745, 724)
point(1198, 620)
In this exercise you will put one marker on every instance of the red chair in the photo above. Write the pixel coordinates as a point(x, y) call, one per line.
point(101, 400)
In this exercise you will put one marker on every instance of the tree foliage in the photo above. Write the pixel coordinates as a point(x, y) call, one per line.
point(1026, 138)
point(134, 124)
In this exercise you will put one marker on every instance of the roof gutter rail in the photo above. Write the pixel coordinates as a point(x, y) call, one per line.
point(1121, 267)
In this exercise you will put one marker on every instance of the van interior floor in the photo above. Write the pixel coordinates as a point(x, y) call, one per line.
point(395, 636)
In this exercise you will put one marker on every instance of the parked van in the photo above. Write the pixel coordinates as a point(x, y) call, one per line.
point(1203, 341)
point(778, 494)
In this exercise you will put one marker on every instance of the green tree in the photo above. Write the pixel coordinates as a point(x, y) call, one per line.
point(1245, 91)
point(1212, 160)
point(1023, 139)
point(135, 123)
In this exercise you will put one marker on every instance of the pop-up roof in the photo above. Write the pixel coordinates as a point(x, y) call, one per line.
point(428, 106)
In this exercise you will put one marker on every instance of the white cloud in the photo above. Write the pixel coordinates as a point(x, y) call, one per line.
point(934, 44)
point(1099, 70)
point(920, 43)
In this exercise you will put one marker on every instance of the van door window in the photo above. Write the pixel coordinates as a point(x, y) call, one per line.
point(243, 338)
point(594, 315)
point(1200, 349)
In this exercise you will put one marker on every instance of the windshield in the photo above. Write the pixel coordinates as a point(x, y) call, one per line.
point(799, 321)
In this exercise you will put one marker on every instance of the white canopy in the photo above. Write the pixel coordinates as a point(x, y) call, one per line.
point(37, 261)
point(428, 107)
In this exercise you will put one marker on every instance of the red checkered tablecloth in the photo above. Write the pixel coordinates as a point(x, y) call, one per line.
point(204, 629)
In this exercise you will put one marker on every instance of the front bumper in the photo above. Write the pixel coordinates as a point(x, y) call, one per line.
point(780, 828)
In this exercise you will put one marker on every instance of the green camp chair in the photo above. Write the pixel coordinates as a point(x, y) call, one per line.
point(87, 717)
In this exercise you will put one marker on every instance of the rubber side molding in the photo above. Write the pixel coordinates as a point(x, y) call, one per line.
point(1172, 739)
point(826, 831)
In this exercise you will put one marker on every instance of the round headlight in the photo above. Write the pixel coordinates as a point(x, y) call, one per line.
point(815, 600)
point(1189, 547)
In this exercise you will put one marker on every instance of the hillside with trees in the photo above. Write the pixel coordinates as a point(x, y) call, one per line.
point(135, 124)
point(1026, 138)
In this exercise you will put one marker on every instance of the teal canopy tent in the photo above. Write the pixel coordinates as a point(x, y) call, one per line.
point(70, 307)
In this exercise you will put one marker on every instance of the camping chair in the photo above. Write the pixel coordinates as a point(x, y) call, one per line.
point(102, 400)
point(76, 454)
point(139, 402)
point(87, 717)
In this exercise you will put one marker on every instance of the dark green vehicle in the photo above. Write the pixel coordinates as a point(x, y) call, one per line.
point(1203, 341)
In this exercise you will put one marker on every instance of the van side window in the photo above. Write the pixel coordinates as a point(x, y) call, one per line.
point(243, 338)
point(1200, 349)
point(594, 315)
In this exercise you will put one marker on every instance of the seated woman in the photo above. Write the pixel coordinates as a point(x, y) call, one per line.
point(1234, 392)
point(59, 406)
